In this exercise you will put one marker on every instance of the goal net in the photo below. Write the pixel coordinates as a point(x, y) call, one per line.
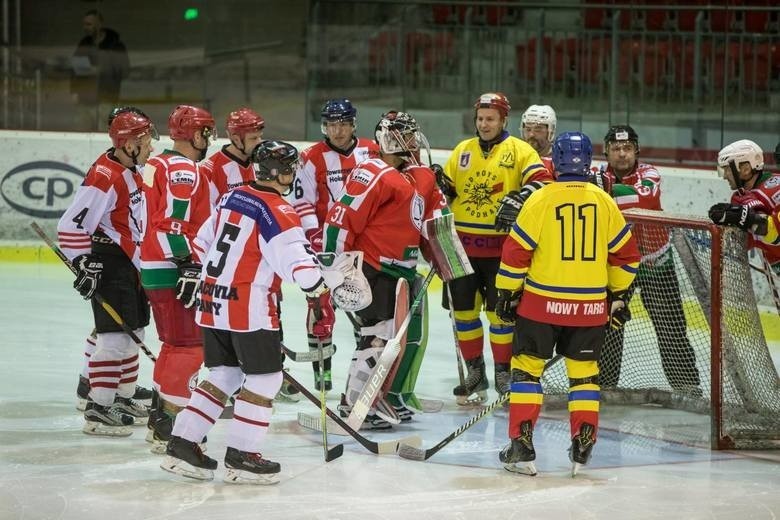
point(694, 342)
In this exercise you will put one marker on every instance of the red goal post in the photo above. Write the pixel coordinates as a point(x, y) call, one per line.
point(695, 341)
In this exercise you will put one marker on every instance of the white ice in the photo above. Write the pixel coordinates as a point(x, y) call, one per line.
point(656, 467)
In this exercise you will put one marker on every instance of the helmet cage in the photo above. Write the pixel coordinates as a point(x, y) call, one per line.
point(398, 133)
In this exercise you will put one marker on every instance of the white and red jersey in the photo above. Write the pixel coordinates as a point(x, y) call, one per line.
point(109, 201)
point(764, 197)
point(226, 172)
point(548, 164)
point(252, 244)
point(320, 179)
point(381, 212)
point(177, 204)
point(642, 189)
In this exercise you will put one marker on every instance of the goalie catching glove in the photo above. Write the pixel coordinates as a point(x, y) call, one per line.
point(344, 275)
point(510, 206)
point(89, 272)
point(619, 312)
point(188, 282)
point(743, 217)
point(506, 305)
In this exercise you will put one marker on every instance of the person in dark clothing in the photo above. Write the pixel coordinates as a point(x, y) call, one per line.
point(99, 64)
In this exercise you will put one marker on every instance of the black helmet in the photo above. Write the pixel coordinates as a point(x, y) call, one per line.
point(621, 133)
point(273, 158)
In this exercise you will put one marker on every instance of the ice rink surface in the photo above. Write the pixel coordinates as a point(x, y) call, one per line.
point(649, 462)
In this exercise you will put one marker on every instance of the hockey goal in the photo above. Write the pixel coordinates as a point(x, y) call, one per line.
point(694, 342)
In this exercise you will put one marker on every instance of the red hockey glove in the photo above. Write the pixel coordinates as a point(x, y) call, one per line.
point(314, 236)
point(322, 314)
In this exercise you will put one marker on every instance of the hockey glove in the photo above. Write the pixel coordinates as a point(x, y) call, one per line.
point(187, 285)
point(602, 179)
point(90, 271)
point(508, 209)
point(321, 315)
point(445, 184)
point(619, 313)
point(314, 236)
point(506, 305)
point(743, 217)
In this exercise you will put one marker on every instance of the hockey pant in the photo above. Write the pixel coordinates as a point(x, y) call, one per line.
point(525, 399)
point(113, 367)
point(252, 410)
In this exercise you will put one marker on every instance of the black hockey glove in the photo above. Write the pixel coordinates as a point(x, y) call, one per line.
point(619, 313)
point(743, 217)
point(601, 179)
point(510, 206)
point(445, 184)
point(187, 285)
point(506, 305)
point(90, 271)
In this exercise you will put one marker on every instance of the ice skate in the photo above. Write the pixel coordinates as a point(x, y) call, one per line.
point(582, 447)
point(399, 405)
point(243, 467)
point(288, 393)
point(129, 406)
point(519, 454)
point(82, 394)
point(159, 431)
point(106, 420)
point(476, 384)
point(185, 458)
point(142, 393)
point(371, 422)
point(502, 378)
point(386, 411)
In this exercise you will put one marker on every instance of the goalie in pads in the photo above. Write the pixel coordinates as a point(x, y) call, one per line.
point(381, 213)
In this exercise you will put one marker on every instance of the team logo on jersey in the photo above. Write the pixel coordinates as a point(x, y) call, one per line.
point(418, 210)
point(182, 177)
point(507, 159)
point(363, 177)
point(103, 170)
point(480, 188)
point(465, 159)
point(772, 182)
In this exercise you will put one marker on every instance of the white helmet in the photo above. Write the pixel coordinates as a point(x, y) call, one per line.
point(540, 115)
point(738, 152)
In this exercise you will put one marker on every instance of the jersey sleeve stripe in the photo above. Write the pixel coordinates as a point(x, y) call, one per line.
point(507, 271)
point(521, 236)
point(618, 238)
point(533, 167)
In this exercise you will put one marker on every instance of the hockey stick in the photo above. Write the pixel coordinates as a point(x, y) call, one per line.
point(379, 448)
point(338, 450)
point(103, 303)
point(412, 453)
point(458, 355)
point(308, 357)
point(385, 362)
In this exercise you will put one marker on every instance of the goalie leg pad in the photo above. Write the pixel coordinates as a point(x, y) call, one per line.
point(360, 370)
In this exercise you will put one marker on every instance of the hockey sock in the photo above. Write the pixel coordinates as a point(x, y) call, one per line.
point(129, 365)
point(90, 346)
point(470, 336)
point(176, 372)
point(105, 366)
point(525, 399)
point(500, 338)
point(252, 412)
point(584, 394)
point(207, 402)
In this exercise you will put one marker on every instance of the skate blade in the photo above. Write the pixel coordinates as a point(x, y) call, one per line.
point(100, 429)
point(575, 468)
point(522, 468)
point(237, 476)
point(180, 467)
point(288, 398)
point(426, 405)
point(140, 421)
point(473, 399)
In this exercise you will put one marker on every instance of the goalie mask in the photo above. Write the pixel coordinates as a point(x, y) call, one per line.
point(732, 156)
point(398, 133)
point(272, 159)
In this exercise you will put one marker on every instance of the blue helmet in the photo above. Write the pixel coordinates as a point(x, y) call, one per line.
point(336, 110)
point(571, 153)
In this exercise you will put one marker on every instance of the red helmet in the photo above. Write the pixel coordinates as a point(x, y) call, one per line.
point(129, 125)
point(495, 100)
point(185, 120)
point(243, 121)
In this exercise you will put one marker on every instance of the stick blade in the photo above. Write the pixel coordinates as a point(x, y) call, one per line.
point(334, 452)
point(410, 452)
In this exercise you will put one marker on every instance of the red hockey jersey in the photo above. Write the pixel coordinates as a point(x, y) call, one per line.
point(252, 244)
point(110, 200)
point(177, 204)
point(764, 197)
point(381, 212)
point(225, 172)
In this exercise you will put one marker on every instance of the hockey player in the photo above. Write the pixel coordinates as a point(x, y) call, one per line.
point(537, 126)
point(100, 234)
point(324, 168)
point(568, 256)
point(177, 203)
point(480, 175)
point(90, 344)
point(753, 206)
point(230, 166)
point(252, 244)
point(635, 184)
point(381, 212)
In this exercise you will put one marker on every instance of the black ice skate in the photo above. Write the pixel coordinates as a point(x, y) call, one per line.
point(185, 458)
point(129, 406)
point(476, 383)
point(244, 467)
point(519, 454)
point(401, 410)
point(106, 420)
point(502, 378)
point(582, 447)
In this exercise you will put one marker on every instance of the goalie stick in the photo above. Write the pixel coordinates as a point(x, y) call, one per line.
point(374, 383)
point(310, 356)
point(379, 448)
point(414, 453)
point(96, 296)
